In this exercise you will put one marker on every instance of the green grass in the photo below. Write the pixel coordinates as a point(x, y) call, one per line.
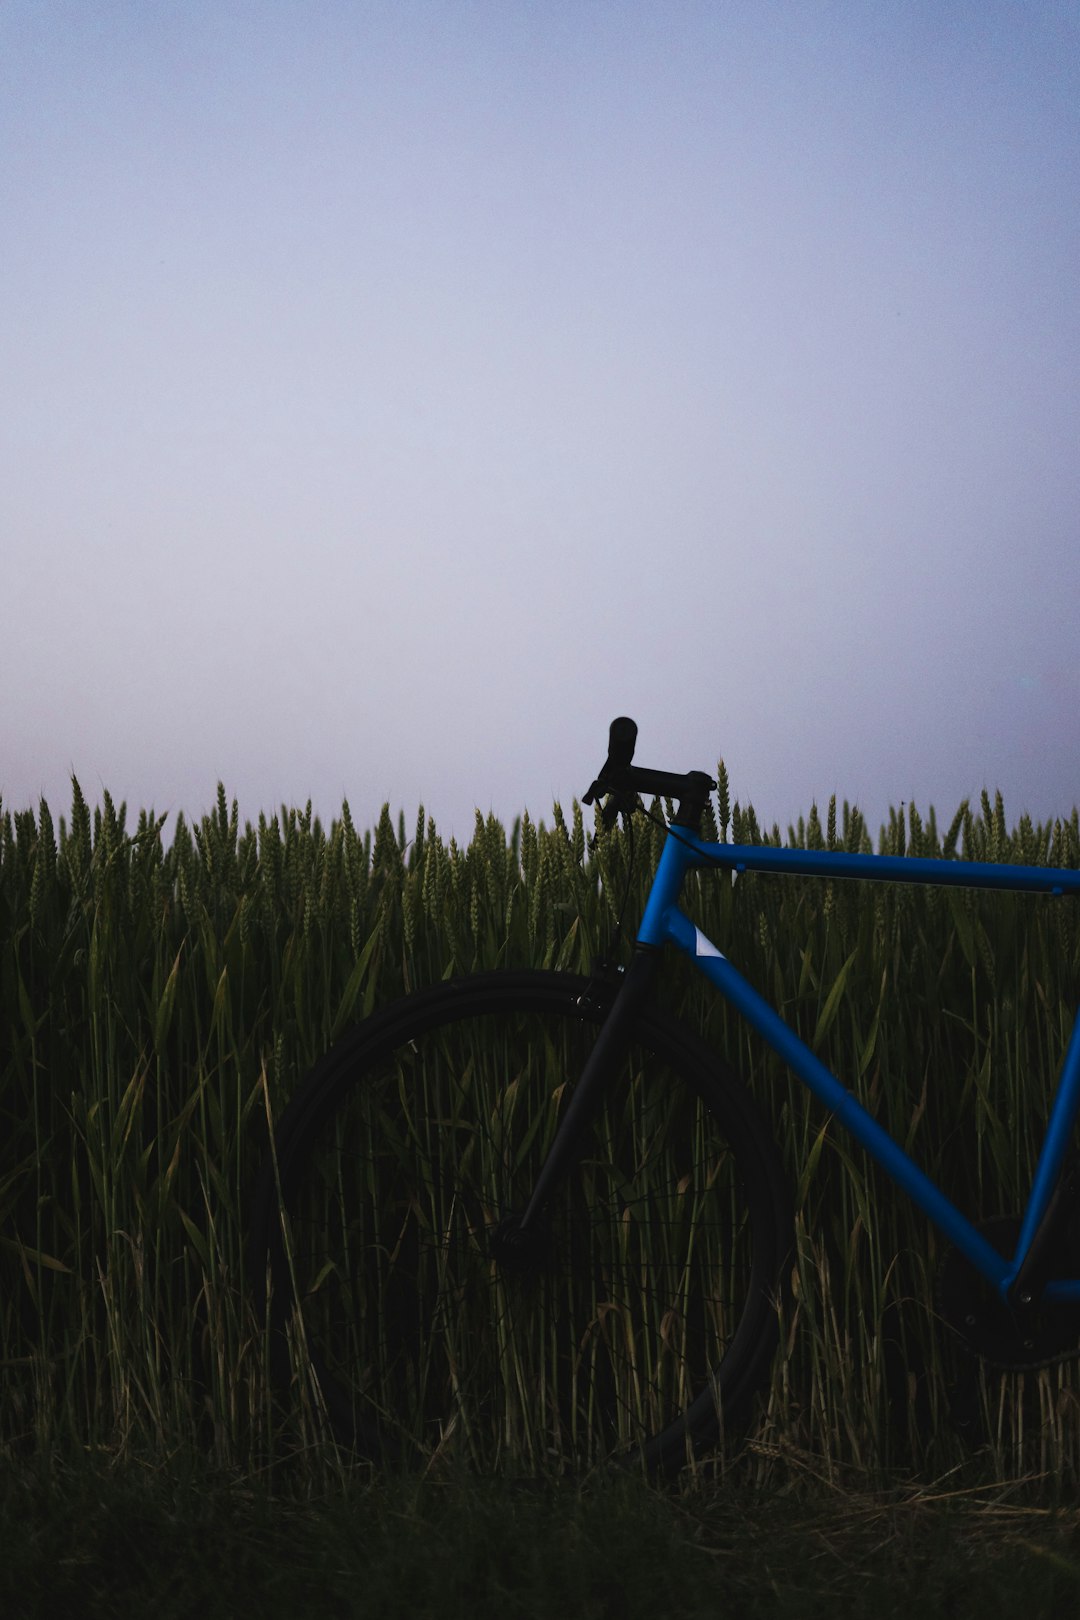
point(153, 1001)
point(102, 1538)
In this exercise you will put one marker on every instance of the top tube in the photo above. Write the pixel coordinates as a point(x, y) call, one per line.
point(829, 863)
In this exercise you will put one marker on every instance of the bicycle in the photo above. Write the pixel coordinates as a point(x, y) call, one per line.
point(526, 1213)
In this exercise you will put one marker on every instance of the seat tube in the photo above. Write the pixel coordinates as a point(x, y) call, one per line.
point(1059, 1132)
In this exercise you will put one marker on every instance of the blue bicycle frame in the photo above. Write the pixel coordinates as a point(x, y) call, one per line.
point(665, 924)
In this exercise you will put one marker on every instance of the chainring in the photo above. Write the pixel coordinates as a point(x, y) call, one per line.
point(987, 1327)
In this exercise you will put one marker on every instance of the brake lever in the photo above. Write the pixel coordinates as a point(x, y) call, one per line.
point(624, 803)
point(622, 737)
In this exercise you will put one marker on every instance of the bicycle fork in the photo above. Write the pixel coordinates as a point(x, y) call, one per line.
point(517, 1242)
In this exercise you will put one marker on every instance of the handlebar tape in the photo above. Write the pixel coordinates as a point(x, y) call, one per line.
point(622, 739)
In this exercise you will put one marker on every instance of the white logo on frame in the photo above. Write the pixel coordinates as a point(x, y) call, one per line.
point(705, 947)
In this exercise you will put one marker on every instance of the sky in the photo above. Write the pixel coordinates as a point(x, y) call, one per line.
point(393, 394)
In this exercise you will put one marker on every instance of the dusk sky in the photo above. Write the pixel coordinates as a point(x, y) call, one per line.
point(392, 394)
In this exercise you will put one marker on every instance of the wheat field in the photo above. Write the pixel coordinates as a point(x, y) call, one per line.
point(160, 1002)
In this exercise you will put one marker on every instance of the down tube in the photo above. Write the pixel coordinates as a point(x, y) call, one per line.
point(798, 1056)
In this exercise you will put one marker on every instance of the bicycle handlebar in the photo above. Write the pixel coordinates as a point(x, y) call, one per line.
point(622, 782)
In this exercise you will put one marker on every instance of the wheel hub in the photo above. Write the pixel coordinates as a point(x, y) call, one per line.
point(516, 1250)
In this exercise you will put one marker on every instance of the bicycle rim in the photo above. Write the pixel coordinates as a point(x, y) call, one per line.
point(646, 1317)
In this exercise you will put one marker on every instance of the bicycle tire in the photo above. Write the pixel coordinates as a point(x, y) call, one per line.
point(417, 1133)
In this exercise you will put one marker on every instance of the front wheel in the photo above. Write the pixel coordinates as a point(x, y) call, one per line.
point(637, 1320)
